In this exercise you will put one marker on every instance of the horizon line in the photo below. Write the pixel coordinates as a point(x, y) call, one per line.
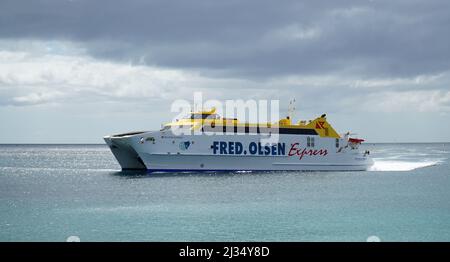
point(422, 142)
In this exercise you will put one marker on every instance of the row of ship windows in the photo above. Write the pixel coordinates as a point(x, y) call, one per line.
point(251, 130)
point(311, 143)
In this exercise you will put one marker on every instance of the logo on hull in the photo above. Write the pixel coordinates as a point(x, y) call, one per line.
point(184, 145)
point(253, 148)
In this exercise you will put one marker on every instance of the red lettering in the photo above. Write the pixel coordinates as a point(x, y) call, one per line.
point(305, 152)
point(302, 154)
point(323, 152)
point(293, 150)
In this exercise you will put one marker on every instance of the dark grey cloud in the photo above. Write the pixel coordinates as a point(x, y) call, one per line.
point(248, 38)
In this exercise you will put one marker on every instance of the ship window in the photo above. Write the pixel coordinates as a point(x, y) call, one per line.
point(204, 116)
point(337, 142)
point(232, 129)
point(165, 128)
point(310, 141)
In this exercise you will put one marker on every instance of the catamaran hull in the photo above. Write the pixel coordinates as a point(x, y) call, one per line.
point(157, 151)
point(240, 163)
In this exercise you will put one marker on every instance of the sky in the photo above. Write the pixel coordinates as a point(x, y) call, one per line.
point(74, 71)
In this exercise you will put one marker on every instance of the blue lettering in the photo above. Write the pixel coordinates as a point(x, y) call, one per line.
point(238, 148)
point(231, 148)
point(215, 147)
point(223, 148)
point(274, 150)
point(253, 148)
point(260, 152)
point(266, 150)
point(281, 149)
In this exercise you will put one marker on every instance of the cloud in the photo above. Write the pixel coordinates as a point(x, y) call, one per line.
point(252, 39)
point(293, 32)
point(30, 78)
point(114, 65)
point(40, 74)
point(37, 98)
point(410, 102)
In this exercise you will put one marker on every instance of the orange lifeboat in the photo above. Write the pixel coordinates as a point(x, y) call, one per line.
point(355, 140)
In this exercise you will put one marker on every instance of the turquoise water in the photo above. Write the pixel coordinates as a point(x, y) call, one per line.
point(51, 192)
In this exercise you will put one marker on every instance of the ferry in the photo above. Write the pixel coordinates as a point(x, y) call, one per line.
point(205, 141)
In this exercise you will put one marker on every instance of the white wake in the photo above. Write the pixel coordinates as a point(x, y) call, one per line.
point(389, 165)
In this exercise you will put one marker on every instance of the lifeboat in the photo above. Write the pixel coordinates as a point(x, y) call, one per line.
point(355, 142)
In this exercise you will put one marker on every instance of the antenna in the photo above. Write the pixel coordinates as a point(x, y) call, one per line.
point(291, 108)
point(348, 134)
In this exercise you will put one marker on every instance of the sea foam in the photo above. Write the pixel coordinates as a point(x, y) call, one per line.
point(389, 165)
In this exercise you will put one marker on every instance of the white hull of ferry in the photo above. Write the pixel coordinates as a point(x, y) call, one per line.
point(162, 151)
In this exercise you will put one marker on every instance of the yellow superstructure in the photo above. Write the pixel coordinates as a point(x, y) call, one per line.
point(200, 119)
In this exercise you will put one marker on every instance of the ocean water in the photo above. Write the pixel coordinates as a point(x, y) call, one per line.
point(51, 192)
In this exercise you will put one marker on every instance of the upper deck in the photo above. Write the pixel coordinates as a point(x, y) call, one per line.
point(209, 121)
